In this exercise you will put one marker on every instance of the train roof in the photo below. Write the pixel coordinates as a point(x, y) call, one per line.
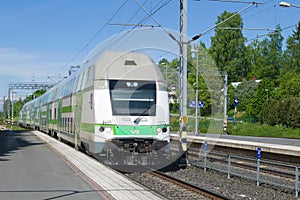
point(126, 65)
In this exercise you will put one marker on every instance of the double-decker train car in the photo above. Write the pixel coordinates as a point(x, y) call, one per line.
point(115, 108)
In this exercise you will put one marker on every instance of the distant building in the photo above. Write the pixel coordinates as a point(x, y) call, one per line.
point(172, 95)
point(236, 84)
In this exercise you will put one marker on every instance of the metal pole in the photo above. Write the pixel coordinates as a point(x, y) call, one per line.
point(183, 74)
point(183, 57)
point(229, 164)
point(258, 172)
point(4, 109)
point(197, 88)
point(297, 181)
point(8, 104)
point(225, 101)
point(12, 107)
point(234, 114)
point(205, 154)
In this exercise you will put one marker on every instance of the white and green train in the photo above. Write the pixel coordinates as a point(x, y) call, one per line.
point(115, 108)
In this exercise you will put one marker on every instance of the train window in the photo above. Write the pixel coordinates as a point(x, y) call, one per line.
point(68, 124)
point(65, 125)
point(91, 101)
point(90, 76)
point(134, 98)
point(71, 124)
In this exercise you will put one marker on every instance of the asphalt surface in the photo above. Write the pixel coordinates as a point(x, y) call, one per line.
point(268, 140)
point(29, 169)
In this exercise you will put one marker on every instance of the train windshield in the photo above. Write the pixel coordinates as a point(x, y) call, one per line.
point(134, 98)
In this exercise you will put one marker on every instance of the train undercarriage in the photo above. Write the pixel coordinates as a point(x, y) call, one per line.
point(136, 154)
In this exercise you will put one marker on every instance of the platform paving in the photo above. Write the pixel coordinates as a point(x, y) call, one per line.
point(113, 183)
point(30, 170)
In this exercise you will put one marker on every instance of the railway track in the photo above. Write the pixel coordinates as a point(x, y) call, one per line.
point(279, 170)
point(173, 188)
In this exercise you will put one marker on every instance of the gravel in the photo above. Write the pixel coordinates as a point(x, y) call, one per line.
point(235, 187)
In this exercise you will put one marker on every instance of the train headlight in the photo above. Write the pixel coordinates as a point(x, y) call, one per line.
point(164, 129)
point(108, 129)
point(103, 129)
point(158, 130)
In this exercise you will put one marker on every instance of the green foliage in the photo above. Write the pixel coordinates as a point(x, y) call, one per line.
point(275, 99)
point(17, 105)
point(281, 112)
point(289, 86)
point(174, 107)
point(263, 92)
point(228, 47)
point(292, 53)
point(245, 92)
point(265, 57)
point(231, 91)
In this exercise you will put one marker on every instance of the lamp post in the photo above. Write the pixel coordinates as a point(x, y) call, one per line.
point(12, 107)
point(196, 98)
point(166, 71)
point(267, 94)
point(287, 5)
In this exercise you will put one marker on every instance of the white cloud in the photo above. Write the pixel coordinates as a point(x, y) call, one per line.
point(13, 54)
point(23, 66)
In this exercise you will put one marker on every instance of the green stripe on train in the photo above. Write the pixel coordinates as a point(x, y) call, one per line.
point(135, 130)
point(66, 109)
point(52, 121)
point(90, 128)
point(125, 130)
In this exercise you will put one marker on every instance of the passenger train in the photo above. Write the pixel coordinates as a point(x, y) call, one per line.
point(115, 107)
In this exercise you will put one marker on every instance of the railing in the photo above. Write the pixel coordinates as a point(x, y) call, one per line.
point(261, 171)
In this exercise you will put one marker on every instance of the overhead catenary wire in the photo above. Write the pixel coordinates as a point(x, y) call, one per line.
point(90, 40)
point(276, 31)
point(148, 15)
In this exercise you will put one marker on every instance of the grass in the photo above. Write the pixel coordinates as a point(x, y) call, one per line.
point(262, 130)
point(242, 129)
point(14, 127)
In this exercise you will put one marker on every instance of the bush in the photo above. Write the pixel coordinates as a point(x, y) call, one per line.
point(281, 112)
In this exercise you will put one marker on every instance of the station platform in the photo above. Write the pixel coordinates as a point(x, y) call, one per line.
point(289, 148)
point(36, 166)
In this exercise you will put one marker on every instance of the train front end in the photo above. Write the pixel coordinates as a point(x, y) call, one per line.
point(132, 110)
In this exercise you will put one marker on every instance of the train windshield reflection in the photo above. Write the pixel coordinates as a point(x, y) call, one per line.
point(136, 98)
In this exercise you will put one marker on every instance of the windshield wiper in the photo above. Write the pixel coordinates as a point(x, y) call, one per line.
point(138, 120)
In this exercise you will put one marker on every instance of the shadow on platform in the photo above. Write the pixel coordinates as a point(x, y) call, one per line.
point(12, 141)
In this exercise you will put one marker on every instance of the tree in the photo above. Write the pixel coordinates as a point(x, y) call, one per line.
point(265, 57)
point(254, 58)
point(260, 96)
point(269, 112)
point(293, 114)
point(245, 92)
point(228, 47)
point(292, 52)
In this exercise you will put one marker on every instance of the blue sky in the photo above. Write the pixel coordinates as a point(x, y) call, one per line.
point(39, 38)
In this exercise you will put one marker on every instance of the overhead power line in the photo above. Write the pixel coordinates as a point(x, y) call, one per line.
point(90, 40)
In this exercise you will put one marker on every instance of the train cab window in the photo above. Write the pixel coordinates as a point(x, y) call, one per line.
point(134, 98)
